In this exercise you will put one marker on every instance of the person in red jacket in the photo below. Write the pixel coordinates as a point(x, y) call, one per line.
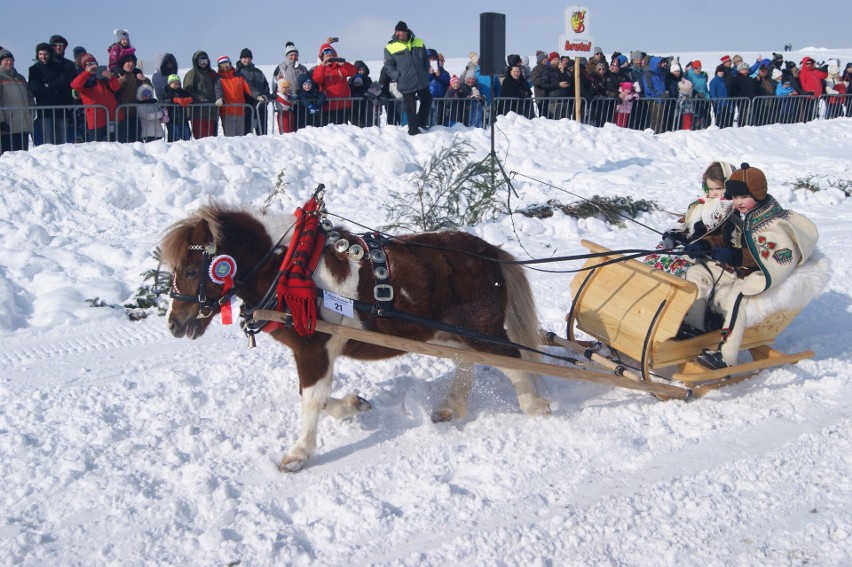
point(811, 80)
point(96, 92)
point(231, 91)
point(332, 77)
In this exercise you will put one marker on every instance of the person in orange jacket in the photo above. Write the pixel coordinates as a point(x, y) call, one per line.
point(231, 91)
point(332, 77)
point(96, 91)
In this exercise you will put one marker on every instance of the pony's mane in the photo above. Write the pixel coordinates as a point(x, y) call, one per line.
point(174, 247)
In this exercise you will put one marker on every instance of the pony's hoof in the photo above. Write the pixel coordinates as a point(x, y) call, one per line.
point(539, 408)
point(442, 415)
point(447, 413)
point(292, 463)
point(358, 403)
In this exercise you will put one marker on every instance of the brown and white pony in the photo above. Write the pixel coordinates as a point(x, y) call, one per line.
point(443, 276)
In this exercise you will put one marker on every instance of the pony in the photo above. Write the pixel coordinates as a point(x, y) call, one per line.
point(454, 278)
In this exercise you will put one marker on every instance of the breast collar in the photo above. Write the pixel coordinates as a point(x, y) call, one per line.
point(374, 244)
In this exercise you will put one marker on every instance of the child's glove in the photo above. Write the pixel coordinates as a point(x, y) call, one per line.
point(313, 109)
point(697, 248)
point(723, 255)
point(219, 102)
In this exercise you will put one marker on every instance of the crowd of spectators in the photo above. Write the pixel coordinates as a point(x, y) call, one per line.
point(75, 100)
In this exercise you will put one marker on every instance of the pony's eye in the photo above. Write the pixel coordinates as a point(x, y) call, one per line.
point(191, 273)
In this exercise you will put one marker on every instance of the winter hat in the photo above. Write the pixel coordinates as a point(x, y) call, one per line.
point(120, 33)
point(675, 67)
point(743, 66)
point(401, 26)
point(143, 91)
point(553, 55)
point(78, 51)
point(223, 59)
point(833, 69)
point(636, 55)
point(326, 46)
point(540, 56)
point(361, 65)
point(43, 47)
point(626, 86)
point(622, 59)
point(696, 64)
point(776, 74)
point(86, 59)
point(58, 39)
point(746, 181)
point(5, 54)
point(598, 50)
point(290, 48)
point(283, 85)
point(721, 69)
point(246, 52)
point(725, 59)
point(172, 78)
point(454, 81)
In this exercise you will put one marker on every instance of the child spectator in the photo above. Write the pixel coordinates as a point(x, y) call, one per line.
point(311, 101)
point(835, 87)
point(622, 112)
point(285, 107)
point(177, 128)
point(119, 50)
point(786, 106)
point(151, 116)
point(685, 103)
point(359, 85)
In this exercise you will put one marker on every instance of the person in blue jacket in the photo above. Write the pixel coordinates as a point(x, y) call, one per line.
point(654, 87)
point(439, 82)
point(722, 106)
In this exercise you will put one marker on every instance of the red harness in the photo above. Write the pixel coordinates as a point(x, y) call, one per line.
point(296, 289)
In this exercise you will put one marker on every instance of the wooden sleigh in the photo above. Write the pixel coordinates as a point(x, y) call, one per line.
point(634, 310)
point(637, 311)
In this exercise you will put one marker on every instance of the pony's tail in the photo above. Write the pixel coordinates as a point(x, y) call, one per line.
point(521, 321)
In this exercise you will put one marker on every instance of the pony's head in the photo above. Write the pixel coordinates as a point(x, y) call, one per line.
point(188, 248)
point(192, 245)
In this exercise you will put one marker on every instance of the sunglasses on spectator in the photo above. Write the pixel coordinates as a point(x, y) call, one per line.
point(91, 63)
point(327, 51)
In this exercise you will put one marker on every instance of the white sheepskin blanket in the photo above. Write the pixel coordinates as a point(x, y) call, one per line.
point(804, 284)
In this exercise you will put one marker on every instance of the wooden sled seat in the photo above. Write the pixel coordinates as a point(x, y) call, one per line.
point(637, 310)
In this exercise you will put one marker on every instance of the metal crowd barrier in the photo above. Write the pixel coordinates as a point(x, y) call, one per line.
point(85, 123)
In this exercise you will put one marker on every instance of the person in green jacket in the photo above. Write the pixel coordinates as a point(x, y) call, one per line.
point(407, 65)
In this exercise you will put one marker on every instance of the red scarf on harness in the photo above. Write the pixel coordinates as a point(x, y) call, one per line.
point(296, 286)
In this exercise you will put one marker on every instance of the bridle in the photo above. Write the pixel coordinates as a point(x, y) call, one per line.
point(209, 307)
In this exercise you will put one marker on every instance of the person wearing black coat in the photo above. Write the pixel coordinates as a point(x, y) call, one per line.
point(515, 94)
point(743, 87)
point(49, 85)
point(258, 83)
point(359, 85)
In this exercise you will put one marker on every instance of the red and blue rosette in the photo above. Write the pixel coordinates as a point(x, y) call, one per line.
point(223, 269)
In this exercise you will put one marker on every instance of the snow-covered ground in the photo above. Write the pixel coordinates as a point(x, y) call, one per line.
point(121, 445)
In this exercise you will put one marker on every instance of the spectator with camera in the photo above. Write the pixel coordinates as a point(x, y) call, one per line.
point(332, 77)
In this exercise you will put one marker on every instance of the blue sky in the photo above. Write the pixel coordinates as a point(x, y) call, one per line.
point(452, 27)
